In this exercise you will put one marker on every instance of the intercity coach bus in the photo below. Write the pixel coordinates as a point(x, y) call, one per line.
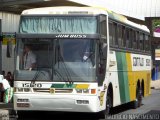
point(87, 60)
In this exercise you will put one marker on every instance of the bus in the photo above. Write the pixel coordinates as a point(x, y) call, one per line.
point(88, 59)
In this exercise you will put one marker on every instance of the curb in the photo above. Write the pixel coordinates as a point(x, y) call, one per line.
point(155, 84)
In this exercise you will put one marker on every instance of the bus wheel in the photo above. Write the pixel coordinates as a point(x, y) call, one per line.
point(104, 114)
point(20, 115)
point(137, 103)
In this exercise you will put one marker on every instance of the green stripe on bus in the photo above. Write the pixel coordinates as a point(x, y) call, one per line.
point(123, 77)
point(63, 86)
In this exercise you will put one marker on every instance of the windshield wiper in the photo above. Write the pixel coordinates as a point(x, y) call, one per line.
point(60, 76)
point(38, 73)
point(60, 58)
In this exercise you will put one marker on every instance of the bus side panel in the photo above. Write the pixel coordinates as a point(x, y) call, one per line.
point(132, 68)
point(147, 83)
point(131, 78)
point(141, 72)
point(123, 77)
point(113, 78)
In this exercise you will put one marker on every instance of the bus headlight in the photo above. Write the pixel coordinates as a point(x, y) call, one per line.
point(22, 89)
point(86, 91)
point(27, 90)
point(79, 90)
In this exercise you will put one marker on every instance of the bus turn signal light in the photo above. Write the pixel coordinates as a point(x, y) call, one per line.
point(93, 91)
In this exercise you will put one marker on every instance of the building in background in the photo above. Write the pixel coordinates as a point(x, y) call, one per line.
point(10, 23)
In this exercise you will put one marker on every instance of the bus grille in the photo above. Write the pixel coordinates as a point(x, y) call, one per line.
point(46, 90)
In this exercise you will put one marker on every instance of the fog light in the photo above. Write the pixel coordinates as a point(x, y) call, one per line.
point(22, 104)
point(82, 101)
point(19, 90)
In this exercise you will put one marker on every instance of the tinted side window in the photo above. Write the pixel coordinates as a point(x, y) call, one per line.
point(120, 37)
point(115, 41)
point(111, 33)
point(123, 36)
point(130, 38)
point(146, 43)
point(141, 42)
point(103, 25)
point(127, 38)
point(134, 40)
point(137, 39)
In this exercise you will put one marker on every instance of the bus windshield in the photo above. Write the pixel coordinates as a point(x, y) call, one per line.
point(58, 24)
point(58, 60)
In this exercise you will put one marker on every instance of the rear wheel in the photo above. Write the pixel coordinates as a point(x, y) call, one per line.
point(137, 103)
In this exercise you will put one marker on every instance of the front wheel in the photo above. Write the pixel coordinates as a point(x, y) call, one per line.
point(106, 112)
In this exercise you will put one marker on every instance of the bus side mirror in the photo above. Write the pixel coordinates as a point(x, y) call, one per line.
point(104, 49)
point(9, 48)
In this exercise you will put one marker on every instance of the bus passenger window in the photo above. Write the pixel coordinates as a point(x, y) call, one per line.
point(146, 43)
point(137, 39)
point(130, 38)
point(115, 41)
point(134, 40)
point(120, 35)
point(127, 38)
point(123, 37)
point(141, 41)
point(110, 33)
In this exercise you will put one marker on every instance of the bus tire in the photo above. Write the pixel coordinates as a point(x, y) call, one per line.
point(137, 103)
point(104, 114)
point(20, 114)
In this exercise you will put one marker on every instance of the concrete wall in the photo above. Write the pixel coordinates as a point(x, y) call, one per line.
point(10, 23)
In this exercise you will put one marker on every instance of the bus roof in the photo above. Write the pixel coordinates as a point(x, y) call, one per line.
point(62, 10)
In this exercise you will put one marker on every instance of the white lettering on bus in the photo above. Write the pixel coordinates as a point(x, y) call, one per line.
point(70, 36)
point(148, 62)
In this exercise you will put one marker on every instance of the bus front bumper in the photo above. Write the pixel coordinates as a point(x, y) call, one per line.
point(66, 103)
